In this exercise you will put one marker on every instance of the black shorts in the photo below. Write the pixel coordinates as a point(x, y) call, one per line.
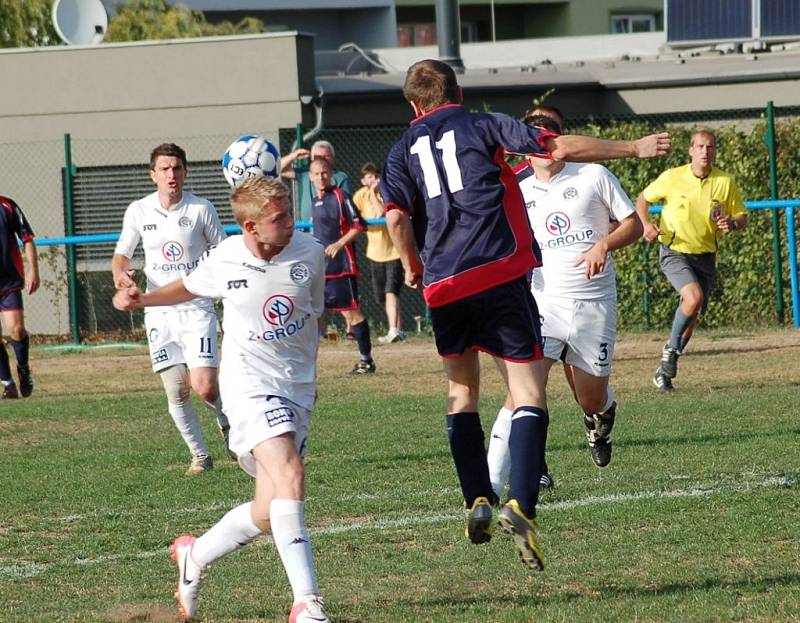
point(11, 301)
point(502, 321)
point(341, 294)
point(387, 277)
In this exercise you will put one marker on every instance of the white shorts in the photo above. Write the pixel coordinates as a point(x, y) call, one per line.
point(255, 419)
point(187, 336)
point(580, 333)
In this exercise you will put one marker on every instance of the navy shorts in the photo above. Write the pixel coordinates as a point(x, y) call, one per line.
point(502, 321)
point(341, 294)
point(387, 277)
point(11, 300)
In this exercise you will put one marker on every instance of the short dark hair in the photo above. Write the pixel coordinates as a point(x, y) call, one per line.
point(542, 110)
point(544, 121)
point(167, 149)
point(369, 167)
point(431, 83)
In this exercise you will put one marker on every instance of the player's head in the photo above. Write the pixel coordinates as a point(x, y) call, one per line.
point(548, 111)
point(703, 148)
point(430, 84)
point(262, 207)
point(320, 173)
point(369, 174)
point(544, 121)
point(324, 149)
point(168, 169)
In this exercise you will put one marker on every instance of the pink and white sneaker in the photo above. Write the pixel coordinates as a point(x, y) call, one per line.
point(190, 575)
point(310, 610)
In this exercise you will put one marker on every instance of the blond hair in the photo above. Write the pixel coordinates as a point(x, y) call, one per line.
point(251, 198)
point(705, 132)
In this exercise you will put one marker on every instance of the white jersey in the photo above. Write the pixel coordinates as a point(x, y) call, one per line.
point(569, 214)
point(270, 319)
point(173, 241)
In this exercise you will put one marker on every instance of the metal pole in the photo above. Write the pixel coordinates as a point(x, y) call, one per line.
point(69, 225)
point(792, 240)
point(448, 34)
point(772, 147)
point(297, 167)
point(646, 282)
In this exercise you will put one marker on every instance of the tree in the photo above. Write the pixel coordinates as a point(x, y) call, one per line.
point(26, 23)
point(141, 20)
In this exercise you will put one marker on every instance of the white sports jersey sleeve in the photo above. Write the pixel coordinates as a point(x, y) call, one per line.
point(569, 214)
point(173, 240)
point(270, 320)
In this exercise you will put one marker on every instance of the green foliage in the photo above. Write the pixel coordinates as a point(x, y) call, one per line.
point(744, 294)
point(26, 23)
point(141, 20)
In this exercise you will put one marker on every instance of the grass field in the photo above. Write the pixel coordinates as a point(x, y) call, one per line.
point(696, 519)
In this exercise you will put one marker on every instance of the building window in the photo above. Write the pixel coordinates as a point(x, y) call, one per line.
point(633, 23)
point(409, 35)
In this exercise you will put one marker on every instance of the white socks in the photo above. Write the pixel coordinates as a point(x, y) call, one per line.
point(236, 529)
point(498, 455)
point(294, 546)
point(188, 424)
point(216, 408)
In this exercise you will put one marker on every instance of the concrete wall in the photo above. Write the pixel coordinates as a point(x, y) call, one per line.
point(117, 101)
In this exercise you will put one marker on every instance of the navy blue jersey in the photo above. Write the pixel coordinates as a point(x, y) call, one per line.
point(332, 216)
point(451, 162)
point(13, 227)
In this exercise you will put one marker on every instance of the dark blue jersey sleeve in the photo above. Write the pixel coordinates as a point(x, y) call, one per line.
point(398, 188)
point(514, 136)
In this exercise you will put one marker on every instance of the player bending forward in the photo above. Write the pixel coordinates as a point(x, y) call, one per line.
point(570, 206)
point(271, 281)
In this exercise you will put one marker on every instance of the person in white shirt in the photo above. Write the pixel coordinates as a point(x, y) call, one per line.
point(271, 280)
point(176, 228)
point(579, 214)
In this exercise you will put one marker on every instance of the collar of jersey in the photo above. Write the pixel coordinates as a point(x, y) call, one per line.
point(435, 110)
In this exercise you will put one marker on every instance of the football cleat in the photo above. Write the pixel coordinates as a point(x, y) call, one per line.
point(25, 381)
point(523, 531)
point(669, 361)
point(598, 430)
point(662, 381)
point(200, 463)
point(364, 367)
point(479, 521)
point(546, 481)
point(9, 392)
point(310, 610)
point(189, 576)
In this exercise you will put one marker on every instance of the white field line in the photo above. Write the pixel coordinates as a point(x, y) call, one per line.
point(27, 570)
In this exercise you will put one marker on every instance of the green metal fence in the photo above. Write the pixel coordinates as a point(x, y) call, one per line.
point(82, 188)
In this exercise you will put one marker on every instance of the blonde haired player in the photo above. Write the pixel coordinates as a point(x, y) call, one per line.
point(271, 281)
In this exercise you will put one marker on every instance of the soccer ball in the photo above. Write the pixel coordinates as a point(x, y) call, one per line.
point(250, 156)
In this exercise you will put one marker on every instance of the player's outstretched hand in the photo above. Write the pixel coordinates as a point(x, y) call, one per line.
point(127, 299)
point(653, 145)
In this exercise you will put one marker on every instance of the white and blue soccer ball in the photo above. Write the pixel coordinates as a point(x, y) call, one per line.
point(250, 156)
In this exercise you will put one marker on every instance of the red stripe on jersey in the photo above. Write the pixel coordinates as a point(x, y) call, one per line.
point(500, 271)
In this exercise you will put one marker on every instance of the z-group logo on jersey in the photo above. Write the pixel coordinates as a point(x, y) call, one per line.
point(278, 310)
point(557, 223)
point(172, 251)
point(299, 273)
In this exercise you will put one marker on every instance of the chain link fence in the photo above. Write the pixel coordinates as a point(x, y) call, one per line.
point(108, 174)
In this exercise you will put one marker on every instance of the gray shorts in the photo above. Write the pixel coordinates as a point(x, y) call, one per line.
point(684, 268)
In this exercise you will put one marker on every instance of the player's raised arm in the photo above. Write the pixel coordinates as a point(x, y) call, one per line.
point(578, 148)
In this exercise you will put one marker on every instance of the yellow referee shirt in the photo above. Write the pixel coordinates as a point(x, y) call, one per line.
point(686, 221)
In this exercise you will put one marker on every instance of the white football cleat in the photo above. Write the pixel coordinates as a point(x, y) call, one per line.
point(310, 610)
point(189, 575)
